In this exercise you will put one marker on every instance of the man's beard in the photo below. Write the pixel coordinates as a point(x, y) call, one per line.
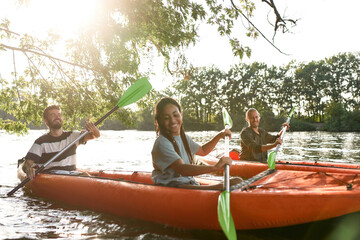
point(55, 124)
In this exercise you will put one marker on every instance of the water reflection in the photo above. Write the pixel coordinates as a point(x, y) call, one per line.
point(321, 146)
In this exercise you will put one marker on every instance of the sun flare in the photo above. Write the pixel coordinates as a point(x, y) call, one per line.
point(64, 17)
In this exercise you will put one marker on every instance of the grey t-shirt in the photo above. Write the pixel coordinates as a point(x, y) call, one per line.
point(164, 154)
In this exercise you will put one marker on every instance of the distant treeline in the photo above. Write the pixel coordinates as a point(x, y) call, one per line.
point(326, 95)
point(145, 122)
point(325, 92)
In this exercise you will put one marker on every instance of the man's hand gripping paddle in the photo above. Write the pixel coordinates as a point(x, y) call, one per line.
point(272, 155)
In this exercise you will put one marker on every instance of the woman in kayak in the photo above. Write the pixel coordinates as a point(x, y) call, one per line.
point(173, 151)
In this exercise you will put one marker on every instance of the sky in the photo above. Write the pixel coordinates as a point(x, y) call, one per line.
point(324, 28)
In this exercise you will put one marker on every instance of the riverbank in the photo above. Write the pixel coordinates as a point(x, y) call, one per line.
point(318, 126)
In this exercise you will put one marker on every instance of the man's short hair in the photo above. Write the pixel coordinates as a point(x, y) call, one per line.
point(48, 109)
point(249, 111)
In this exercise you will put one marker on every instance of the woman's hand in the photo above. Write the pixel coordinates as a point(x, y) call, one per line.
point(286, 124)
point(222, 162)
point(225, 132)
point(209, 146)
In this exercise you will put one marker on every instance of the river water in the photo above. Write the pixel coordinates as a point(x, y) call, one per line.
point(27, 217)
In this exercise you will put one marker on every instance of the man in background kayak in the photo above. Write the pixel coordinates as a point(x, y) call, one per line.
point(256, 141)
point(48, 145)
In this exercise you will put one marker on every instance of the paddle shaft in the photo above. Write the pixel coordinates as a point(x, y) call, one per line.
point(285, 128)
point(227, 168)
point(106, 115)
point(40, 169)
point(282, 135)
point(224, 214)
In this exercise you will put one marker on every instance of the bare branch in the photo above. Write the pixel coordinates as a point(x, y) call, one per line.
point(280, 22)
point(256, 27)
point(24, 50)
point(8, 31)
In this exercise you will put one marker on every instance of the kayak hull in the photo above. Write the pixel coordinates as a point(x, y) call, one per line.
point(282, 198)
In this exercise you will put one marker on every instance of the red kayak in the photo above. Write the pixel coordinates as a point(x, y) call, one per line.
point(248, 169)
point(274, 198)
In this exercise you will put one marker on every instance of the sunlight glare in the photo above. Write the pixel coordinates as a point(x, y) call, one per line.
point(64, 17)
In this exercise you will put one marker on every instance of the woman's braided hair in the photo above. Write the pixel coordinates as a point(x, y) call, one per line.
point(160, 128)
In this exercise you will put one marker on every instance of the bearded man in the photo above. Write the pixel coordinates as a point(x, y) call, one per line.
point(48, 145)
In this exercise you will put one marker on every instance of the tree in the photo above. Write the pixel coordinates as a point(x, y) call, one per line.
point(288, 92)
point(335, 113)
point(235, 93)
point(312, 78)
point(337, 77)
point(200, 96)
point(351, 78)
point(105, 58)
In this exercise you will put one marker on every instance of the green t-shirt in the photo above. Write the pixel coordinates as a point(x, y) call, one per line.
point(251, 143)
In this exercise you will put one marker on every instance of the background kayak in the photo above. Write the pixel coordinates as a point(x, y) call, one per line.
point(247, 169)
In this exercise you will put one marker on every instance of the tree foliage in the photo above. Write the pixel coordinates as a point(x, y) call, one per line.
point(339, 119)
point(104, 59)
point(308, 86)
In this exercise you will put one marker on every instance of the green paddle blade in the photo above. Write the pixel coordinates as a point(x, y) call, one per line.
point(224, 215)
point(227, 118)
point(292, 111)
point(271, 159)
point(136, 91)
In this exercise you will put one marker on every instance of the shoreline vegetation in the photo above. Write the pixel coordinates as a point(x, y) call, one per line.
point(270, 124)
point(325, 94)
point(337, 120)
